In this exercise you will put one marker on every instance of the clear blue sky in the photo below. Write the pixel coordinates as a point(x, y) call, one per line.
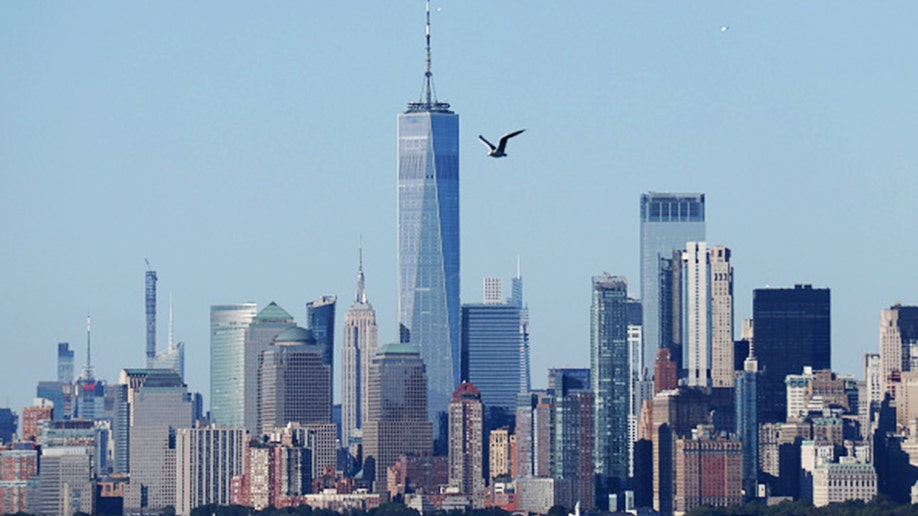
point(244, 148)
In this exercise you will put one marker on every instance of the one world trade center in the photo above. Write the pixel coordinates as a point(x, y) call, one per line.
point(428, 240)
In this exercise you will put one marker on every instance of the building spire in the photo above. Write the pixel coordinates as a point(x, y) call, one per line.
point(428, 101)
point(427, 73)
point(361, 292)
point(87, 370)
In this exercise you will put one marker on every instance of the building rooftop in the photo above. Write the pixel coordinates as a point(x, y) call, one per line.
point(295, 334)
point(399, 348)
point(273, 312)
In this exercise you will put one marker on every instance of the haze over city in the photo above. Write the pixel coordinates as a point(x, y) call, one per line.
point(246, 150)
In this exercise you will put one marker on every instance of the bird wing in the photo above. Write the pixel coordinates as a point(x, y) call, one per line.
point(503, 140)
point(491, 147)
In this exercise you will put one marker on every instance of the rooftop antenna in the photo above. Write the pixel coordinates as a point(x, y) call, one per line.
point(428, 74)
point(87, 371)
point(428, 101)
point(361, 293)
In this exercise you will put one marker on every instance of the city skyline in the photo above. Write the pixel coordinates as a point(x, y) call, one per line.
point(202, 148)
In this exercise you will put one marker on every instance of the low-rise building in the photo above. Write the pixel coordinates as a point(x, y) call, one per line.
point(839, 482)
point(17, 467)
point(709, 471)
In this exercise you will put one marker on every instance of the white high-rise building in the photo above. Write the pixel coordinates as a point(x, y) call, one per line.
point(636, 395)
point(798, 388)
point(493, 291)
point(871, 395)
point(697, 292)
point(708, 315)
point(207, 459)
point(360, 343)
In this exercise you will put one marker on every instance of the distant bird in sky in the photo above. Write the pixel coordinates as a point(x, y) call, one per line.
point(498, 152)
point(725, 28)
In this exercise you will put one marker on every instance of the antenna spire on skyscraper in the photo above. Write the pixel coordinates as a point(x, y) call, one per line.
point(87, 370)
point(428, 101)
point(361, 292)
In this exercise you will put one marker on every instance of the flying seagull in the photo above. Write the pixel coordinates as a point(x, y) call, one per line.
point(498, 152)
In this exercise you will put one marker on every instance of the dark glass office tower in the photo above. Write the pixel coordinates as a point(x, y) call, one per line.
point(562, 380)
point(321, 316)
point(428, 240)
point(609, 375)
point(668, 221)
point(64, 363)
point(791, 331)
point(491, 344)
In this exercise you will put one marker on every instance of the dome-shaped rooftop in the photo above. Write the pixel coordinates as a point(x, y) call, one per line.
point(295, 334)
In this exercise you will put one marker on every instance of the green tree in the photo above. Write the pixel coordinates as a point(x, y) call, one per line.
point(394, 509)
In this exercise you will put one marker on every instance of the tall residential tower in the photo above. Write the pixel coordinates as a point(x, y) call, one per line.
point(150, 301)
point(428, 238)
point(609, 375)
point(722, 359)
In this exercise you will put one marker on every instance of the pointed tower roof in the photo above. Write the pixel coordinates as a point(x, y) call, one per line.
point(273, 312)
point(428, 101)
point(361, 291)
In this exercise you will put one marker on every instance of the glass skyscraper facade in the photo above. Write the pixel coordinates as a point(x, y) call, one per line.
point(792, 330)
point(228, 324)
point(491, 346)
point(668, 221)
point(428, 244)
point(321, 316)
point(747, 423)
point(609, 375)
point(64, 363)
